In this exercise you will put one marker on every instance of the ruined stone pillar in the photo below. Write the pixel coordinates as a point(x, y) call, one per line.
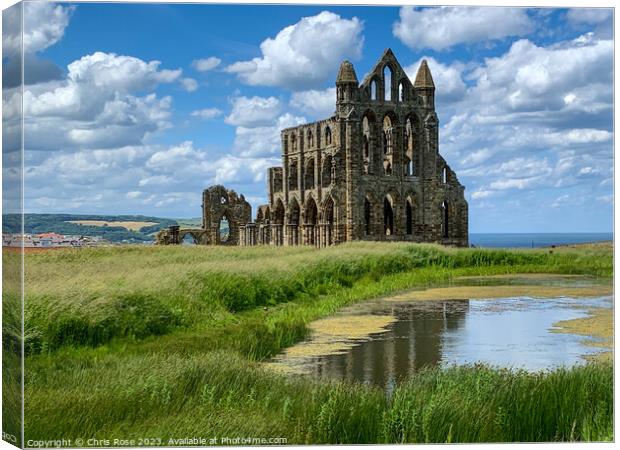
point(250, 234)
point(351, 173)
point(278, 236)
point(295, 234)
point(308, 236)
point(241, 236)
point(173, 233)
point(267, 231)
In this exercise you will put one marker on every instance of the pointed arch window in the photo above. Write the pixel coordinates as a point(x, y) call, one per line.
point(328, 136)
point(326, 172)
point(366, 216)
point(445, 215)
point(387, 83)
point(309, 174)
point(373, 90)
point(292, 176)
point(408, 166)
point(278, 215)
point(388, 217)
point(387, 138)
point(293, 143)
point(411, 157)
point(409, 217)
point(387, 135)
point(366, 137)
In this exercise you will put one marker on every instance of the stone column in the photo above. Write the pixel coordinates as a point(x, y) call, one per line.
point(351, 174)
point(285, 168)
point(241, 236)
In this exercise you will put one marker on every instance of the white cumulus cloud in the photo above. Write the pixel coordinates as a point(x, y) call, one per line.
point(253, 111)
point(207, 113)
point(589, 16)
point(44, 25)
point(264, 140)
point(206, 64)
point(189, 84)
point(441, 28)
point(305, 54)
point(97, 104)
point(318, 104)
point(448, 79)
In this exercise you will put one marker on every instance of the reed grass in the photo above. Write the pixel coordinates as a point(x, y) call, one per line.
point(167, 342)
point(222, 394)
point(92, 296)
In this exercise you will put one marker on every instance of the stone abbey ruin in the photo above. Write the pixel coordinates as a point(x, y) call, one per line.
point(372, 171)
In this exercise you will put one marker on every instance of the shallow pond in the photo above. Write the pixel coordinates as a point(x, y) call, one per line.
point(516, 332)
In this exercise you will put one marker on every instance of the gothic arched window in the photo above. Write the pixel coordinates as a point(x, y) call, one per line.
point(387, 83)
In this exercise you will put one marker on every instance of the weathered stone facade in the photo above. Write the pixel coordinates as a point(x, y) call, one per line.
point(372, 171)
point(219, 205)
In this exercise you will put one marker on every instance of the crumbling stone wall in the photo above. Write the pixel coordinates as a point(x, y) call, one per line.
point(218, 204)
point(372, 171)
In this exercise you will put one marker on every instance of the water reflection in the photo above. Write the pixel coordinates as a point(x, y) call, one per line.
point(415, 340)
point(509, 332)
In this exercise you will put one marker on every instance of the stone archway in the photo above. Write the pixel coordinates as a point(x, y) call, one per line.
point(310, 221)
point(277, 223)
point(196, 235)
point(224, 230)
point(224, 214)
point(292, 222)
point(326, 228)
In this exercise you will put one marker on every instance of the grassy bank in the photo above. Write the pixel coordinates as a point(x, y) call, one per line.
point(165, 342)
point(221, 394)
point(92, 296)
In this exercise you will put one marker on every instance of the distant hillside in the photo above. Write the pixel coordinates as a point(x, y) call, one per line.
point(195, 222)
point(122, 228)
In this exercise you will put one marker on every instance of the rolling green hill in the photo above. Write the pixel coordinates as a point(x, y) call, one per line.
point(65, 224)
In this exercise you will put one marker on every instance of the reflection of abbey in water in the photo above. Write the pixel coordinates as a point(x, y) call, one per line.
point(372, 171)
point(414, 341)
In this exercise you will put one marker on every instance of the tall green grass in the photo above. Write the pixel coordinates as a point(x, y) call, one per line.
point(479, 404)
point(166, 342)
point(220, 394)
point(96, 295)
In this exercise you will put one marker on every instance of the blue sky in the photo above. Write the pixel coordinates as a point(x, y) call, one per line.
point(135, 108)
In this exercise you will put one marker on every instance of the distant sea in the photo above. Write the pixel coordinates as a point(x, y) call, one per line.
point(523, 240)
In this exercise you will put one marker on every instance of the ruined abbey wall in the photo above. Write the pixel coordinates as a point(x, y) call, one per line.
point(219, 206)
point(372, 171)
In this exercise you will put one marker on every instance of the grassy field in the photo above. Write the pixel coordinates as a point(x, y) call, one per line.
point(128, 225)
point(166, 342)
